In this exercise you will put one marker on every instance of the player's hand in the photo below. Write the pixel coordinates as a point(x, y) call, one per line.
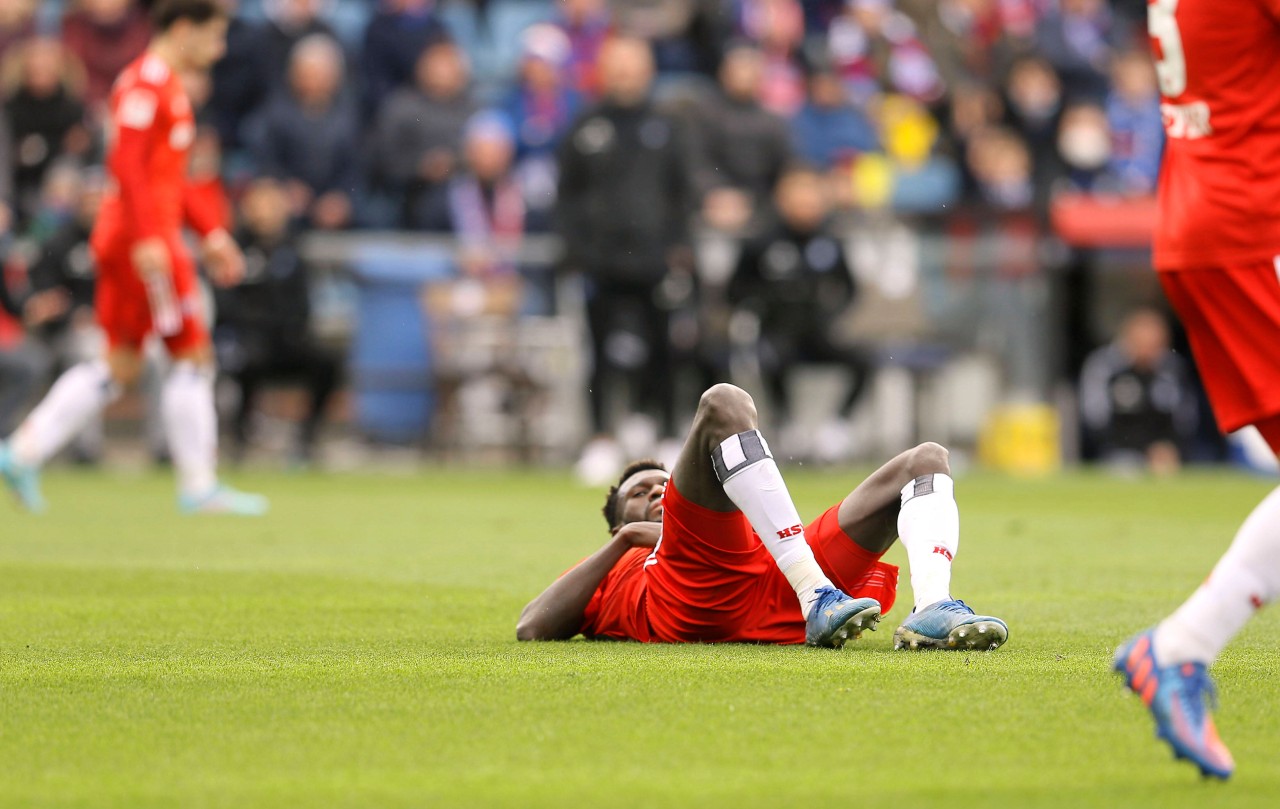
point(151, 257)
point(43, 307)
point(639, 534)
point(223, 259)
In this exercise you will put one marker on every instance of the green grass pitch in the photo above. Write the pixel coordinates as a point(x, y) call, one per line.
point(356, 648)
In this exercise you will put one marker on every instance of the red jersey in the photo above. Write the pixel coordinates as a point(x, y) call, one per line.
point(151, 129)
point(1218, 63)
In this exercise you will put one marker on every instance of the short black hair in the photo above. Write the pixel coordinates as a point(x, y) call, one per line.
point(164, 13)
point(610, 509)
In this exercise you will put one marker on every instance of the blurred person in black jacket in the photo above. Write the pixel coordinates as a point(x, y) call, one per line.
point(623, 207)
point(263, 328)
point(794, 278)
point(1137, 401)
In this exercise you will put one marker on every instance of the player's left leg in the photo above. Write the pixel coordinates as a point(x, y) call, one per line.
point(726, 465)
point(912, 498)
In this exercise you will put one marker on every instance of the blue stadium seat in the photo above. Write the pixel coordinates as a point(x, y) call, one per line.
point(390, 362)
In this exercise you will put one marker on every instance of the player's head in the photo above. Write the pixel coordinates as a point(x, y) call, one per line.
point(629, 500)
point(197, 28)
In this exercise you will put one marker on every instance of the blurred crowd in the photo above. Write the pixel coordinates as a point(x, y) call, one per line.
point(625, 126)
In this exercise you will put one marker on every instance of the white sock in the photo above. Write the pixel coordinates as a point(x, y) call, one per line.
point(1245, 578)
point(186, 404)
point(78, 395)
point(751, 479)
point(929, 528)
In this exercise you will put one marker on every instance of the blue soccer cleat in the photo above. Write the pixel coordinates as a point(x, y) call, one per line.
point(22, 480)
point(835, 618)
point(950, 625)
point(225, 500)
point(1176, 697)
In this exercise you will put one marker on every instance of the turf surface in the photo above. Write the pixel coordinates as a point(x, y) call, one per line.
point(356, 648)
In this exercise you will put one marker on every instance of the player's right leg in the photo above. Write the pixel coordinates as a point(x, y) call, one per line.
point(75, 398)
point(726, 465)
point(1167, 666)
point(191, 422)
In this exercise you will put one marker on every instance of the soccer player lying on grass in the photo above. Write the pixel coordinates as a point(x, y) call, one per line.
point(684, 565)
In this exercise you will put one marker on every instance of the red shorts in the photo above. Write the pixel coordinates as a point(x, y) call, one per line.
point(1232, 317)
point(124, 310)
point(712, 580)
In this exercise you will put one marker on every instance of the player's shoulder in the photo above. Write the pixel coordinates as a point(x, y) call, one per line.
point(147, 71)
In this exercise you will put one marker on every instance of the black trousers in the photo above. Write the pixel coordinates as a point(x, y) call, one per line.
point(317, 368)
point(782, 352)
point(631, 350)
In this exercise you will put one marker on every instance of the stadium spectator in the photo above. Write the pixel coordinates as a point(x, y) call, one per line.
point(289, 22)
point(830, 130)
point(45, 115)
point(875, 48)
point(912, 174)
point(973, 40)
point(485, 206)
point(105, 35)
point(541, 107)
point(998, 160)
point(586, 23)
point(1136, 401)
point(794, 279)
point(1033, 101)
point(396, 35)
point(715, 551)
point(744, 147)
point(309, 137)
point(1079, 37)
point(777, 26)
point(241, 79)
point(263, 332)
point(419, 132)
point(1133, 118)
point(623, 206)
point(1084, 149)
point(685, 34)
point(17, 23)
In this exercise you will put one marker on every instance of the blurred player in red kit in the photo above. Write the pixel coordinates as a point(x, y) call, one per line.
point(146, 277)
point(1217, 250)
point(715, 552)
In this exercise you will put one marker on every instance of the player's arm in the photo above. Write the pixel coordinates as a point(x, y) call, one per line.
point(557, 613)
point(203, 207)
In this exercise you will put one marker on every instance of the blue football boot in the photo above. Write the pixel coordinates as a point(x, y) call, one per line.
point(835, 618)
point(225, 500)
point(22, 480)
point(1176, 696)
point(950, 625)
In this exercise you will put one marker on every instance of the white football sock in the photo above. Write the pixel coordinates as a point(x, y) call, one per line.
point(1245, 578)
point(186, 403)
point(929, 528)
point(746, 470)
point(78, 395)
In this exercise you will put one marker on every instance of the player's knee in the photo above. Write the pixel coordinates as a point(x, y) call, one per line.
point(725, 410)
point(928, 458)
